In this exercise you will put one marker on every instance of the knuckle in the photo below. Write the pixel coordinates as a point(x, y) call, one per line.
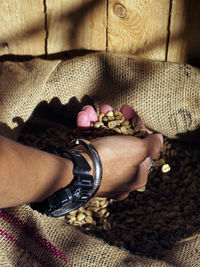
point(142, 149)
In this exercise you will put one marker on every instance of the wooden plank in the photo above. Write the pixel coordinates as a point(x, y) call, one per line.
point(138, 27)
point(22, 27)
point(79, 24)
point(184, 44)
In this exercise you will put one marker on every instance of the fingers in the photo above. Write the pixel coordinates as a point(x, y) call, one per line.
point(83, 120)
point(142, 175)
point(152, 145)
point(128, 112)
point(87, 115)
point(139, 181)
point(147, 147)
point(91, 113)
point(105, 108)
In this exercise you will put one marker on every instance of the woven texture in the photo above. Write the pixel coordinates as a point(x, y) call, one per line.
point(30, 239)
point(186, 252)
point(166, 96)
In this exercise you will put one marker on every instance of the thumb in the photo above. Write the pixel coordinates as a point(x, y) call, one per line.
point(153, 144)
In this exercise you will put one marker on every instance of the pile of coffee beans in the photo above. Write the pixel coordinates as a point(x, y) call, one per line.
point(147, 222)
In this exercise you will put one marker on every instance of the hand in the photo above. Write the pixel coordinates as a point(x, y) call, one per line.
point(125, 159)
point(88, 115)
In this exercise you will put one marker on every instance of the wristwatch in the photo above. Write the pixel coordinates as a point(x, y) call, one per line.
point(83, 186)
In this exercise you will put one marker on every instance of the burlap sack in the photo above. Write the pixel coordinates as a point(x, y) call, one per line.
point(30, 239)
point(166, 96)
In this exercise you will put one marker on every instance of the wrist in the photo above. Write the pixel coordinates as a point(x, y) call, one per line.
point(62, 176)
point(83, 187)
point(57, 179)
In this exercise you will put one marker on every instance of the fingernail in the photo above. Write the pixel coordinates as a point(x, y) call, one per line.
point(105, 108)
point(83, 120)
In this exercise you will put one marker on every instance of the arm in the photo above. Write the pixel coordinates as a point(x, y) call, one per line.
point(29, 175)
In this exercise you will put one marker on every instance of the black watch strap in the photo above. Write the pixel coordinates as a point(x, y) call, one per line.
point(75, 194)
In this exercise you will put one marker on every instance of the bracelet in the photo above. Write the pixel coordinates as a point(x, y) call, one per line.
point(96, 161)
point(83, 186)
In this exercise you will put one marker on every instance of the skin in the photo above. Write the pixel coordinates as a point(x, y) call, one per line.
point(125, 163)
point(125, 159)
point(30, 175)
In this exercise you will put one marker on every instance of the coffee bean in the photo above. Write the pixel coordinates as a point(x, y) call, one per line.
point(149, 222)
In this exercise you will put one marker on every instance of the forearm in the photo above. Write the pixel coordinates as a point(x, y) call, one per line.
point(29, 175)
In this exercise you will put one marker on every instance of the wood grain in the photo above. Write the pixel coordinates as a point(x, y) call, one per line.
point(142, 31)
point(139, 27)
point(79, 24)
point(184, 42)
point(22, 27)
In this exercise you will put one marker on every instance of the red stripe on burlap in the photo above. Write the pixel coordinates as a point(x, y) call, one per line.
point(20, 245)
point(33, 234)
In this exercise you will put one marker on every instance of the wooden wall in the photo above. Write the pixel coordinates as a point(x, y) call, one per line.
point(155, 29)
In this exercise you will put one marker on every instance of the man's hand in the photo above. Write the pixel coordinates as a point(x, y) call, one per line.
point(125, 159)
